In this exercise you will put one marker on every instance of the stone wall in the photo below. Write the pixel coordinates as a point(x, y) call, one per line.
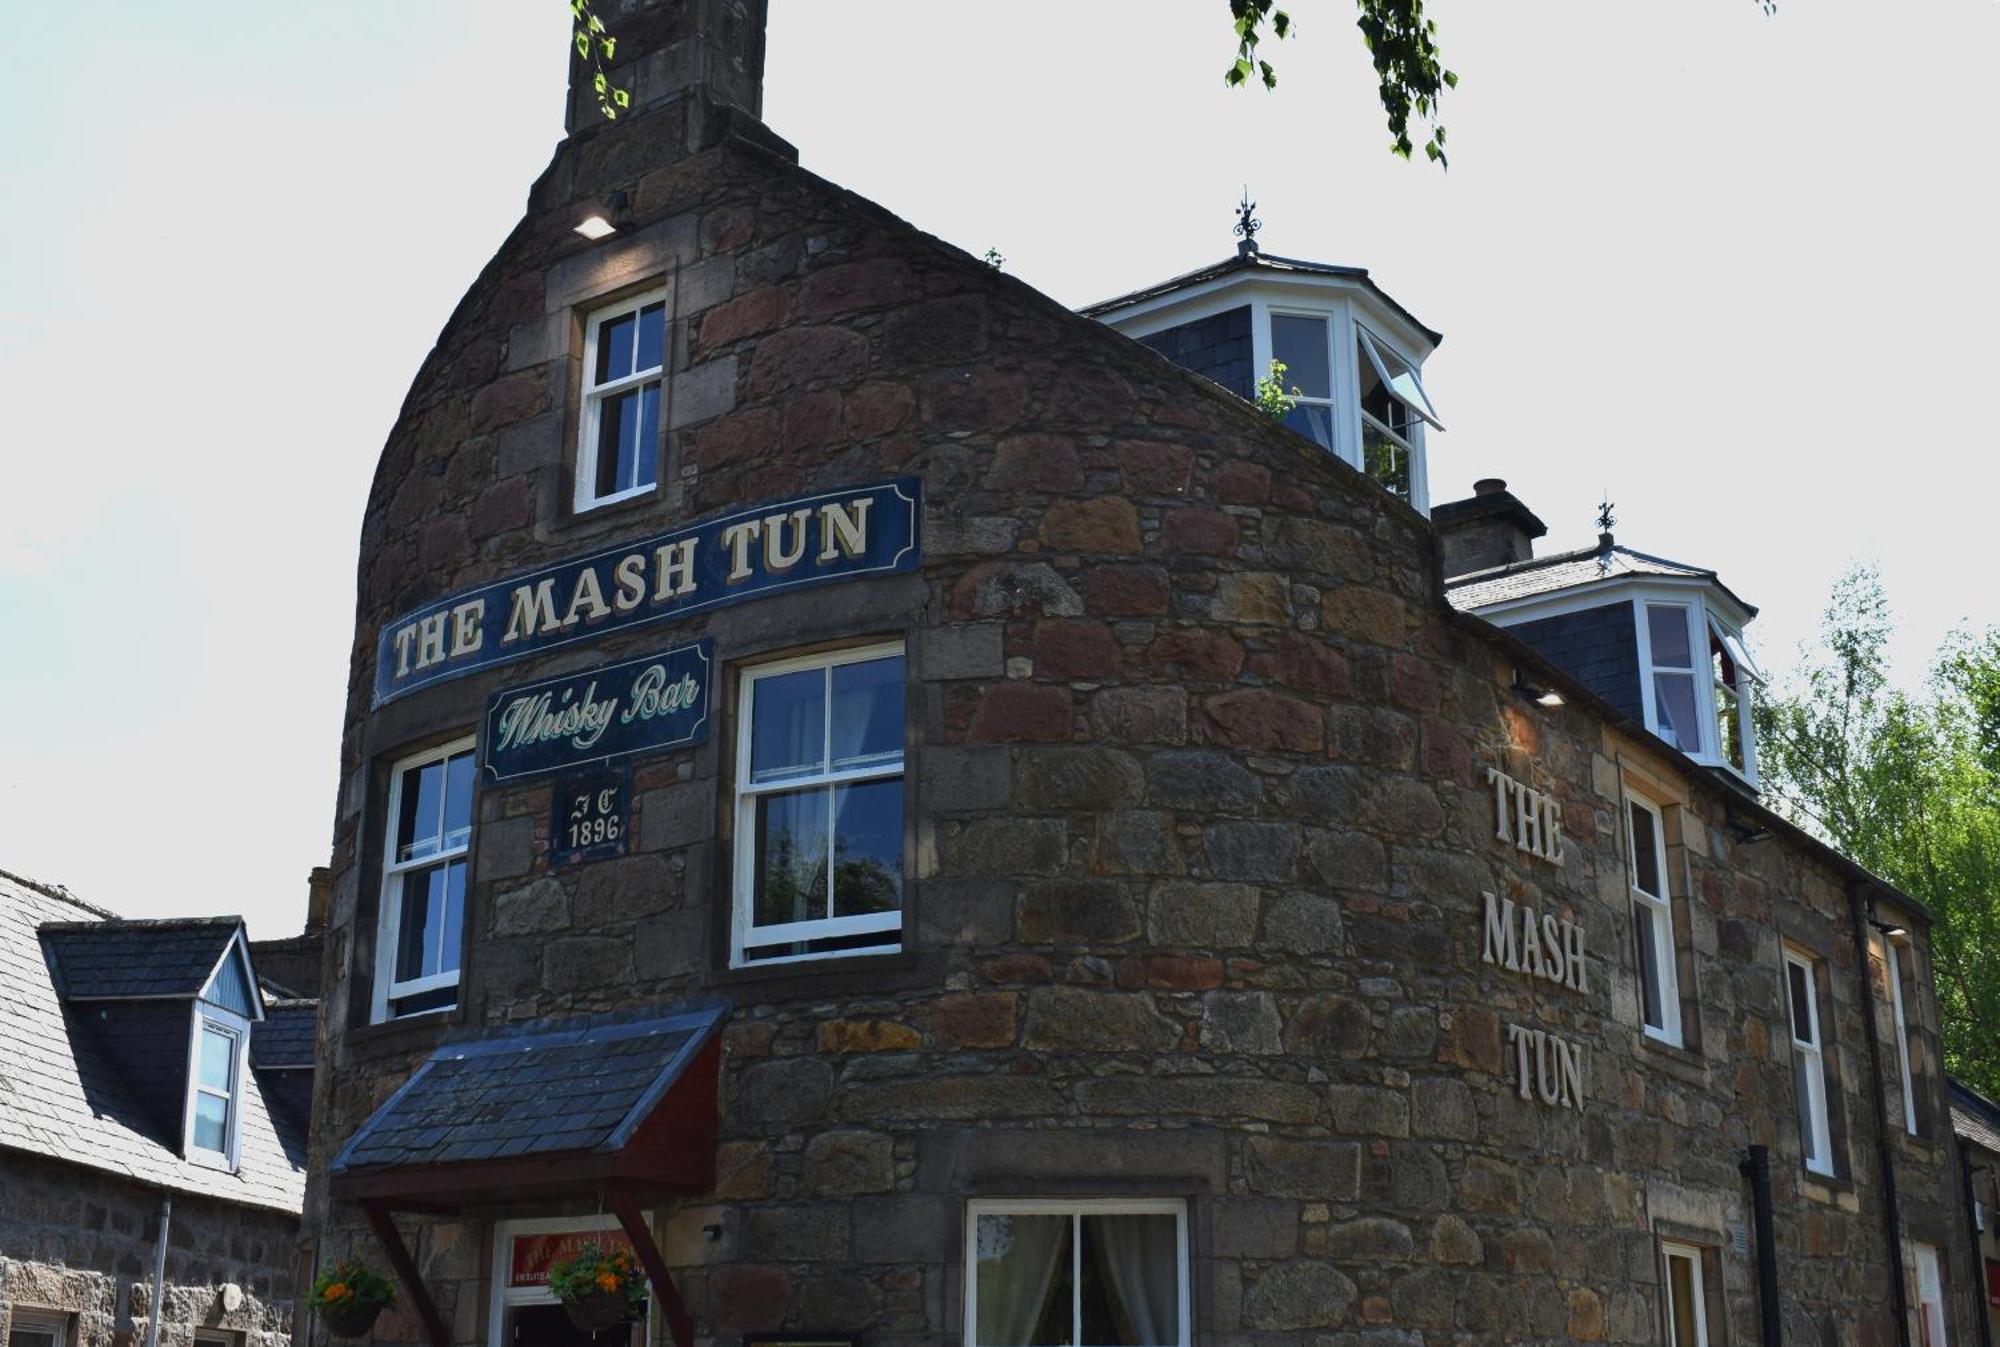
point(83, 1243)
point(1198, 828)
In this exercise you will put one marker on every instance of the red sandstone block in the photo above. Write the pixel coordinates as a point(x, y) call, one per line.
point(1035, 463)
point(750, 314)
point(1126, 591)
point(505, 401)
point(1239, 483)
point(1183, 972)
point(1207, 531)
point(1304, 662)
point(1413, 683)
point(726, 230)
point(735, 439)
point(1104, 524)
point(1022, 712)
point(878, 408)
point(1262, 721)
point(982, 399)
point(852, 287)
point(813, 420)
point(800, 355)
point(974, 1020)
point(1205, 656)
point(1443, 752)
point(1075, 650)
point(1150, 468)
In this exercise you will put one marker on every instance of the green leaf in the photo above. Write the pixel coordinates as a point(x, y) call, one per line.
point(609, 45)
point(600, 83)
point(623, 99)
point(583, 44)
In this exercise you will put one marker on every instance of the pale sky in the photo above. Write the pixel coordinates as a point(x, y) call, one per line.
point(1737, 271)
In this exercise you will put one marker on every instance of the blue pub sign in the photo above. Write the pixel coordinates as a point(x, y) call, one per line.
point(784, 545)
point(636, 706)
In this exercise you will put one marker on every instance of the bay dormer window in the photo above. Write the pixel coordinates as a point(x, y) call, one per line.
point(1698, 681)
point(1394, 408)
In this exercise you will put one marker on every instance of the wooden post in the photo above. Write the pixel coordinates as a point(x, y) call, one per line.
point(641, 1236)
point(406, 1272)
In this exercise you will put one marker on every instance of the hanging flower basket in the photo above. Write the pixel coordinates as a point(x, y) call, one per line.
point(599, 1288)
point(350, 1297)
point(352, 1321)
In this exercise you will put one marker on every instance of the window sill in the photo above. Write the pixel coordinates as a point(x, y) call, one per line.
point(861, 974)
point(588, 519)
point(394, 1037)
point(1826, 1188)
point(1677, 1059)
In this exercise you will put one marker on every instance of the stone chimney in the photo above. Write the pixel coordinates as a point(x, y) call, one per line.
point(1489, 528)
point(319, 898)
point(669, 49)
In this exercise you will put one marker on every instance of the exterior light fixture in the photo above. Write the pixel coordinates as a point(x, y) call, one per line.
point(1890, 930)
point(596, 227)
point(1537, 693)
point(602, 223)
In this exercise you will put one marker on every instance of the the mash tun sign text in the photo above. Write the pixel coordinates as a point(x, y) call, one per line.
point(836, 535)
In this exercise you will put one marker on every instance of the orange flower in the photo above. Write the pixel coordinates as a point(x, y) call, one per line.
point(338, 1291)
point(607, 1281)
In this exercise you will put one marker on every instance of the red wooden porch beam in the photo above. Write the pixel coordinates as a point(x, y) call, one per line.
point(406, 1272)
point(641, 1236)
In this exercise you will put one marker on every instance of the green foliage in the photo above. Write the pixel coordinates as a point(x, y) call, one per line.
point(351, 1284)
point(1909, 786)
point(1249, 17)
point(1272, 399)
point(595, 1270)
point(994, 259)
point(597, 46)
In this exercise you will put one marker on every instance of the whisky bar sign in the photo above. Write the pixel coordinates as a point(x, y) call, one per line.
point(789, 544)
point(638, 706)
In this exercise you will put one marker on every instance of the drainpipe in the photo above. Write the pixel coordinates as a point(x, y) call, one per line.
point(1756, 1167)
point(159, 1274)
point(1892, 1216)
point(1982, 1313)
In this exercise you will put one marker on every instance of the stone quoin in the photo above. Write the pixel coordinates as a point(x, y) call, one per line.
point(1100, 925)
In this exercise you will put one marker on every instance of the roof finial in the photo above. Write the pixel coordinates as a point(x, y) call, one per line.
point(1605, 519)
point(1247, 225)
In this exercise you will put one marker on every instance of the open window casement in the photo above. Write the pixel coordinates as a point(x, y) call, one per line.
point(1398, 377)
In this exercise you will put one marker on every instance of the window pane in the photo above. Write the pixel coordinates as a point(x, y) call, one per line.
point(1680, 1276)
point(646, 451)
point(1300, 343)
point(1022, 1294)
point(652, 336)
point(1386, 459)
point(791, 857)
point(1795, 980)
point(1643, 921)
point(445, 959)
point(614, 347)
point(417, 822)
point(1802, 1067)
point(1674, 708)
point(458, 777)
point(1668, 627)
point(1130, 1289)
point(788, 725)
point(868, 848)
point(211, 1123)
point(620, 439)
point(218, 1060)
point(1645, 853)
point(1314, 421)
point(867, 712)
point(422, 908)
point(1729, 725)
point(32, 1335)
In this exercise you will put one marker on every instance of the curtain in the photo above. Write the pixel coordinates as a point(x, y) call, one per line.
point(1139, 1260)
point(1019, 1257)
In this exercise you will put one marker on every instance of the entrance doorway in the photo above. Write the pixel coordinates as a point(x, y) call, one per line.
point(549, 1326)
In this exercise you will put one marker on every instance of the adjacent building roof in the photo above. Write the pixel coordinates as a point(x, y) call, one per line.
point(1975, 1117)
point(1264, 263)
point(120, 959)
point(284, 1038)
point(63, 1098)
point(582, 1084)
point(1570, 570)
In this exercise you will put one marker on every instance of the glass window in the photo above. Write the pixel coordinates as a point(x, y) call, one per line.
point(1930, 1296)
point(1653, 921)
point(1676, 710)
point(624, 357)
point(1892, 964)
point(1303, 346)
point(1687, 1306)
point(1808, 1063)
point(1392, 403)
point(37, 1328)
point(1094, 1274)
point(423, 882)
point(1731, 679)
point(216, 1095)
point(819, 807)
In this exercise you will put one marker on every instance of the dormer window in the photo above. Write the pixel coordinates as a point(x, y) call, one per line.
point(1701, 708)
point(1393, 408)
point(1299, 343)
point(217, 1105)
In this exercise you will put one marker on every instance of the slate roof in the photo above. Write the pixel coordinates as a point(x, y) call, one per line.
point(61, 1097)
point(1975, 1117)
point(1568, 570)
point(284, 1037)
point(581, 1084)
point(1268, 263)
point(117, 959)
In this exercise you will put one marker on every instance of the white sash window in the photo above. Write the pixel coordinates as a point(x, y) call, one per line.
point(1095, 1273)
point(422, 930)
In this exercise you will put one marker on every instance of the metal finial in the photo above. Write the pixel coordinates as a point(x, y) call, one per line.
point(1247, 224)
point(1605, 519)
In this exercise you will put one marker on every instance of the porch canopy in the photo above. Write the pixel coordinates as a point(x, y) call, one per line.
point(620, 1108)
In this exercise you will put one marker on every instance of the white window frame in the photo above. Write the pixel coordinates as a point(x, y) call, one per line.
point(1369, 346)
point(389, 920)
point(1891, 950)
point(32, 1319)
point(1690, 1254)
point(1075, 1208)
point(1660, 907)
point(505, 1297)
point(1331, 402)
point(213, 1017)
point(591, 403)
point(1744, 694)
point(1929, 1308)
point(743, 899)
point(1814, 1107)
point(1696, 672)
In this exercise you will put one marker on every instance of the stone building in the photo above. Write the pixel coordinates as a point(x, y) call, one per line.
point(1975, 1121)
point(153, 1112)
point(934, 823)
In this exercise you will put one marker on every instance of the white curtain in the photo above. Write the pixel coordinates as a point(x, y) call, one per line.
point(1139, 1258)
point(1018, 1258)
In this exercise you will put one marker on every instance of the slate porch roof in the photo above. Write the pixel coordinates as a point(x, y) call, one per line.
point(1569, 570)
point(1975, 1117)
point(580, 1084)
point(98, 960)
point(61, 1098)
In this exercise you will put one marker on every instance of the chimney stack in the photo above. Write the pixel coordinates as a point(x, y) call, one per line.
point(1489, 528)
point(667, 49)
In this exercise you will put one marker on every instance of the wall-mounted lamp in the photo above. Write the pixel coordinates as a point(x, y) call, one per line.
point(1537, 693)
point(1890, 930)
point(600, 224)
point(1746, 833)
